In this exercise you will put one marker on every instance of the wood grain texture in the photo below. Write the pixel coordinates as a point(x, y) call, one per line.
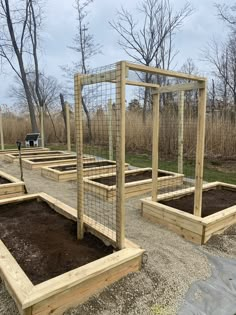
point(191, 227)
point(74, 287)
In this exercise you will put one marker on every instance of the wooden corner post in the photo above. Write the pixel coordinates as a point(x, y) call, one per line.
point(79, 152)
point(200, 150)
point(155, 143)
point(1, 130)
point(120, 154)
point(68, 127)
point(180, 131)
point(42, 125)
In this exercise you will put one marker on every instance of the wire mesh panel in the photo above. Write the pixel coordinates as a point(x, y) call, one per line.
point(162, 114)
point(178, 136)
point(100, 98)
point(181, 134)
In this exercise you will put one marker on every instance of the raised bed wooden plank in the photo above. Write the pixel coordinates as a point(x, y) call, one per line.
point(56, 295)
point(66, 175)
point(36, 149)
point(132, 188)
point(186, 224)
point(36, 163)
point(14, 157)
point(14, 188)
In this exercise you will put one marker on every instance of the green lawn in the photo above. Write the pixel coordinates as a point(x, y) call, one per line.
point(210, 174)
point(144, 160)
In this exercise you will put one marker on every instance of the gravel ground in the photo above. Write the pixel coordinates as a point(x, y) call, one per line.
point(170, 265)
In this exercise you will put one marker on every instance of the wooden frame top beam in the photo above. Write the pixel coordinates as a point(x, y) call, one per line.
point(107, 76)
point(110, 76)
point(179, 87)
point(167, 73)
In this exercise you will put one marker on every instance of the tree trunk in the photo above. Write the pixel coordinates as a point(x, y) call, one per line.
point(22, 69)
point(33, 121)
point(88, 121)
point(63, 107)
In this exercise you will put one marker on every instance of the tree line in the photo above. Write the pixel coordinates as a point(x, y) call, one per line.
point(147, 35)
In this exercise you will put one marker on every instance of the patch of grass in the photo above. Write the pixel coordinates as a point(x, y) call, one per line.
point(10, 146)
point(210, 174)
point(145, 160)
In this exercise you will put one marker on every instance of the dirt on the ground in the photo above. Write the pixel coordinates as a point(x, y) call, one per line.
point(170, 266)
point(64, 168)
point(213, 201)
point(38, 153)
point(3, 180)
point(129, 178)
point(44, 159)
point(223, 244)
point(44, 243)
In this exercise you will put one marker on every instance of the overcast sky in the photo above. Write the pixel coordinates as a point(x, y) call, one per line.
point(60, 27)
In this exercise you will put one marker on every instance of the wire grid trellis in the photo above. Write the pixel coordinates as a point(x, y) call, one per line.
point(178, 112)
point(178, 138)
point(101, 138)
point(178, 118)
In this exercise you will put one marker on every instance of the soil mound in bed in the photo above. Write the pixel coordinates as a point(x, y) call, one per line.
point(213, 201)
point(85, 165)
point(36, 160)
point(3, 180)
point(129, 178)
point(44, 242)
point(37, 153)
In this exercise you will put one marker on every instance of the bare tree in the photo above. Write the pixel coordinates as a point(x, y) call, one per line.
point(49, 90)
point(222, 57)
point(189, 67)
point(227, 13)
point(18, 34)
point(149, 38)
point(86, 47)
point(84, 43)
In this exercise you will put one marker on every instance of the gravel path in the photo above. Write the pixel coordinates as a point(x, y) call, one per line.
point(170, 266)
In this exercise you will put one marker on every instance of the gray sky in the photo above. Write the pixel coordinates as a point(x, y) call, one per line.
point(60, 27)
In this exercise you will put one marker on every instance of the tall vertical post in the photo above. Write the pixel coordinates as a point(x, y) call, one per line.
point(68, 127)
point(155, 144)
point(79, 152)
point(120, 154)
point(200, 150)
point(180, 131)
point(110, 133)
point(1, 130)
point(42, 125)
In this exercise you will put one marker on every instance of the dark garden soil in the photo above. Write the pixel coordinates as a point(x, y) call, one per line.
point(129, 178)
point(213, 201)
point(3, 180)
point(64, 168)
point(38, 153)
point(36, 160)
point(44, 242)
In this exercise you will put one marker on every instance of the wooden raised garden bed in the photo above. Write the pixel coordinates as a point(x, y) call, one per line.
point(66, 172)
point(36, 149)
point(175, 211)
point(137, 182)
point(12, 157)
point(56, 271)
point(10, 186)
point(36, 163)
